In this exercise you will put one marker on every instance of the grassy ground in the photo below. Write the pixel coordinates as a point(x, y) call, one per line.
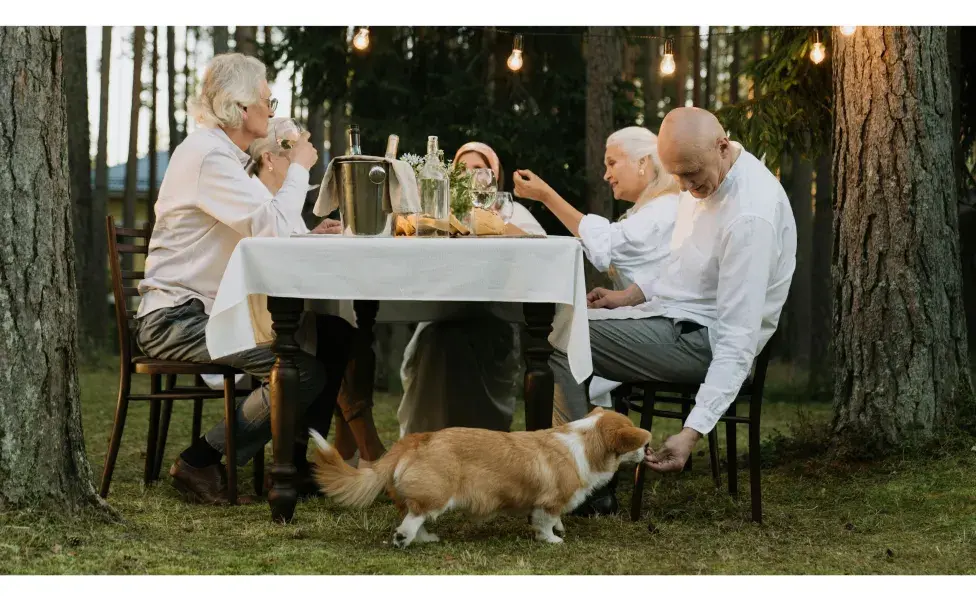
point(901, 515)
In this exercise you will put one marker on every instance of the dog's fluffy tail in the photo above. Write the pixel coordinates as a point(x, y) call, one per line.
point(346, 485)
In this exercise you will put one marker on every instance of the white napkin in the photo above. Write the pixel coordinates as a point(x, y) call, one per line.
point(404, 195)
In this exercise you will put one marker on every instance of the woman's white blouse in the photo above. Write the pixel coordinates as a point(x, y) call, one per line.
point(635, 248)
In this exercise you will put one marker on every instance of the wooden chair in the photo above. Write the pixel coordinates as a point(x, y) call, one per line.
point(161, 399)
point(643, 397)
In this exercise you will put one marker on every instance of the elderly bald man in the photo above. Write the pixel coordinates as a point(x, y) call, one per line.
point(733, 253)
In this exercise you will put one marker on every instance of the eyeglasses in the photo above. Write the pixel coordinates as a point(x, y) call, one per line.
point(272, 104)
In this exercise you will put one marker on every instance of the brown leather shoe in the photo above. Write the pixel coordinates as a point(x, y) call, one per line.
point(206, 485)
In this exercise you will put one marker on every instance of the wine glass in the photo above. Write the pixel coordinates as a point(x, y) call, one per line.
point(483, 186)
point(286, 133)
point(503, 206)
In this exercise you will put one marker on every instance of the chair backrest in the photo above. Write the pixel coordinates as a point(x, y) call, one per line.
point(122, 242)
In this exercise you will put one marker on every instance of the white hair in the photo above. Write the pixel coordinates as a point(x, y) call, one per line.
point(266, 144)
point(231, 82)
point(638, 143)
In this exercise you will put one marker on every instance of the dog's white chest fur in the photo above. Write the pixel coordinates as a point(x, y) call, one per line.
point(574, 443)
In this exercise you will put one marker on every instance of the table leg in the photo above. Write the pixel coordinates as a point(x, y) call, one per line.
point(365, 359)
point(285, 314)
point(538, 374)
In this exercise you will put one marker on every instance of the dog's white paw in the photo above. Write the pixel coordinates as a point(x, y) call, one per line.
point(559, 527)
point(550, 538)
point(400, 540)
point(424, 537)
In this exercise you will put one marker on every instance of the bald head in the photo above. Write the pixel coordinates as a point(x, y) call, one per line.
point(694, 149)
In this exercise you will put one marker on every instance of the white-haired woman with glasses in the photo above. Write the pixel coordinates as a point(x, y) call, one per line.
point(207, 204)
point(639, 241)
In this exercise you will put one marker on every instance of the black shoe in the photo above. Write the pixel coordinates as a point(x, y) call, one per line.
point(602, 502)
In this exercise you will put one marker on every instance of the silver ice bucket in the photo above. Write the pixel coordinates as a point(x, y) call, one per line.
point(364, 196)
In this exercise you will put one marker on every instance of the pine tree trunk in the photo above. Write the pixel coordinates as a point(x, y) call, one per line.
point(603, 59)
point(43, 464)
point(174, 132)
point(153, 129)
point(187, 78)
point(734, 68)
point(709, 70)
point(129, 205)
point(652, 87)
point(87, 223)
point(800, 298)
point(99, 246)
point(696, 68)
point(221, 40)
point(899, 326)
point(680, 68)
point(246, 40)
point(821, 360)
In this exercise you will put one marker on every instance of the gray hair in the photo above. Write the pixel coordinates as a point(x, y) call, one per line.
point(638, 143)
point(268, 143)
point(231, 81)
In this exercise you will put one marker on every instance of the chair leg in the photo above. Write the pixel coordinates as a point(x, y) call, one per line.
point(258, 463)
point(197, 419)
point(121, 410)
point(163, 434)
point(754, 477)
point(155, 383)
point(685, 411)
point(647, 419)
point(713, 456)
point(732, 454)
point(230, 424)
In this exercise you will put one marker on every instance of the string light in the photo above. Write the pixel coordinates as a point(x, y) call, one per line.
point(819, 51)
point(515, 61)
point(667, 63)
point(361, 40)
point(848, 30)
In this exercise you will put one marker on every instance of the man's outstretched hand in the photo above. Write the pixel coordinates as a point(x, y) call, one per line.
point(673, 455)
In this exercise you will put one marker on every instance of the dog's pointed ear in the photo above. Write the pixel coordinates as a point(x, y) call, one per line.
point(628, 439)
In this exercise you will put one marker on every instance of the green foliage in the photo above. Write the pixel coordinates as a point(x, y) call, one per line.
point(793, 111)
point(462, 198)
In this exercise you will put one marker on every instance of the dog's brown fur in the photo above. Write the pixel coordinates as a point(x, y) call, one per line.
point(486, 472)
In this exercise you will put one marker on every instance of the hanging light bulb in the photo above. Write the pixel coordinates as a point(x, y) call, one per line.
point(361, 40)
point(819, 51)
point(667, 63)
point(515, 61)
point(848, 30)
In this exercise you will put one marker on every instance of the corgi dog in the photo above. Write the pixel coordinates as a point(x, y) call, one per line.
point(541, 473)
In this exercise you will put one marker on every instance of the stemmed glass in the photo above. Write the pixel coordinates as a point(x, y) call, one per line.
point(286, 133)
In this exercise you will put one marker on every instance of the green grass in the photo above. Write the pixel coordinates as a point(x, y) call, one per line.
point(900, 515)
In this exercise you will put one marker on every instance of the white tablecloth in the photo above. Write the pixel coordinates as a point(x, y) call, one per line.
point(350, 268)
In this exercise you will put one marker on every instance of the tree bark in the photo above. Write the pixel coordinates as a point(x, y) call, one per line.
point(174, 131)
point(899, 326)
point(709, 70)
point(652, 86)
point(603, 59)
point(43, 465)
point(187, 78)
point(91, 288)
point(734, 68)
point(220, 40)
point(821, 363)
point(153, 130)
point(800, 299)
point(246, 40)
point(129, 205)
point(696, 68)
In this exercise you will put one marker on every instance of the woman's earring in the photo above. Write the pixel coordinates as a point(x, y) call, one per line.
point(640, 172)
point(270, 167)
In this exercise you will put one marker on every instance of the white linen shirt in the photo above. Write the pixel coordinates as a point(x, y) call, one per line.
point(637, 247)
point(207, 204)
point(732, 260)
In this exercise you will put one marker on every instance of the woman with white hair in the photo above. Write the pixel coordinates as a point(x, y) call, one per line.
point(639, 241)
point(635, 248)
point(356, 437)
point(206, 205)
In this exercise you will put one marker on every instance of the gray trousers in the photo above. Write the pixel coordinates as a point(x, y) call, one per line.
point(179, 333)
point(631, 350)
